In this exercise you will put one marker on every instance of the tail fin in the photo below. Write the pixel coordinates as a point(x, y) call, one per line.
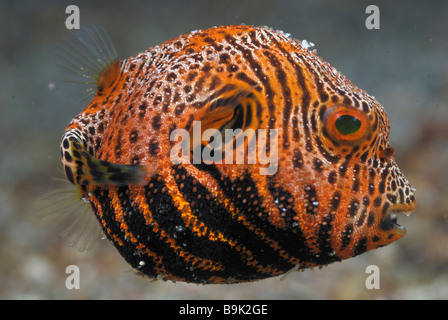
point(82, 168)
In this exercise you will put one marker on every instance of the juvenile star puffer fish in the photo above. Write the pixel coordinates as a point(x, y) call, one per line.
point(333, 191)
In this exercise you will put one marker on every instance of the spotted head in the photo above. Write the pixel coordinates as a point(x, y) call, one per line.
point(353, 187)
point(363, 182)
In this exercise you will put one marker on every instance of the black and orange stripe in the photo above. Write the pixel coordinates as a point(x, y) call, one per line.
point(329, 200)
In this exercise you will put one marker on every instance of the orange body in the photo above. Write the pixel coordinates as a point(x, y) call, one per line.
point(331, 197)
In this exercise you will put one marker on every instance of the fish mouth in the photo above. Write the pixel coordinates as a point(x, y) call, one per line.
point(390, 220)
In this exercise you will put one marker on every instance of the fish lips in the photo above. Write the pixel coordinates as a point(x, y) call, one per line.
point(390, 219)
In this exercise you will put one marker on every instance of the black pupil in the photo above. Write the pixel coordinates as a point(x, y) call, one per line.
point(347, 124)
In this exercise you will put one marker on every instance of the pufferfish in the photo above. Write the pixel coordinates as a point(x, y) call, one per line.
point(334, 191)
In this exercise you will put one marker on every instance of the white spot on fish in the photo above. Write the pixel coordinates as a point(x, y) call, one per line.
point(305, 44)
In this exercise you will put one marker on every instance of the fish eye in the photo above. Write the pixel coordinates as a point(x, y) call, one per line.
point(346, 124)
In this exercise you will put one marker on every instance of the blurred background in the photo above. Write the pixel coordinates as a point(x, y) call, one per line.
point(403, 64)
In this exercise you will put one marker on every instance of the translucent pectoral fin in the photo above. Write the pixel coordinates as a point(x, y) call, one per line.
point(232, 112)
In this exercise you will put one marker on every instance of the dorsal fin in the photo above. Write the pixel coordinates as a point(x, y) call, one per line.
point(90, 60)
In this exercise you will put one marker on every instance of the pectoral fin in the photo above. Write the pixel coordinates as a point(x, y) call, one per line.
point(232, 112)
